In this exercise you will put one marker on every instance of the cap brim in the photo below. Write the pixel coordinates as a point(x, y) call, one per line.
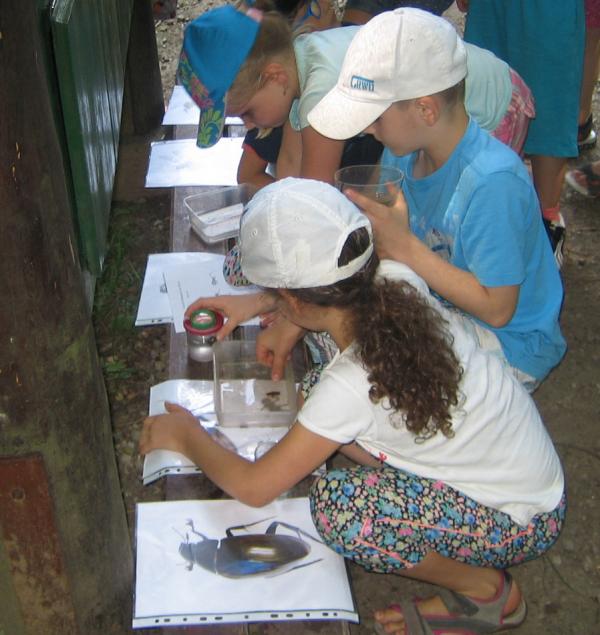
point(210, 125)
point(337, 116)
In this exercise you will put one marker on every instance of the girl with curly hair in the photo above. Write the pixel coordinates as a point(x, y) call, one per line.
point(457, 478)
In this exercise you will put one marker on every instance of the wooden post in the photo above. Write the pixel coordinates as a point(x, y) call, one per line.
point(143, 102)
point(65, 556)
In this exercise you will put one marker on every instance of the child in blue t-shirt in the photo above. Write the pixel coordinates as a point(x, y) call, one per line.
point(468, 219)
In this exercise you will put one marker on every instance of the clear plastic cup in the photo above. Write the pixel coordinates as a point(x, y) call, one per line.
point(370, 180)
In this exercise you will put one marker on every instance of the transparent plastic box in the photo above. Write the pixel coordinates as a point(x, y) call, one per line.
point(244, 393)
point(215, 214)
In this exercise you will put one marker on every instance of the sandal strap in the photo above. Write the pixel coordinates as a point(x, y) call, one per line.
point(487, 612)
point(476, 617)
point(414, 622)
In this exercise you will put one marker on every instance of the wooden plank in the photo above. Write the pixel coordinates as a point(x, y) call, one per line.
point(144, 106)
point(196, 486)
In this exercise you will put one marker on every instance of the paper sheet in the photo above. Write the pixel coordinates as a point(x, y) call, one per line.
point(186, 283)
point(197, 396)
point(190, 273)
point(182, 110)
point(173, 547)
point(183, 163)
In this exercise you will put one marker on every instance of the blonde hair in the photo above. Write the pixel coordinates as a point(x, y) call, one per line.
point(273, 44)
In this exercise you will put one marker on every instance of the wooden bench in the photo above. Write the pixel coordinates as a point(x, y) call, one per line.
point(197, 486)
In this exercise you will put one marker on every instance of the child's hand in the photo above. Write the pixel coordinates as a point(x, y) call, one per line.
point(170, 431)
point(237, 309)
point(266, 319)
point(391, 229)
point(274, 345)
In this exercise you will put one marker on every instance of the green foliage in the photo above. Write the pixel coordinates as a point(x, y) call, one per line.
point(117, 291)
point(116, 369)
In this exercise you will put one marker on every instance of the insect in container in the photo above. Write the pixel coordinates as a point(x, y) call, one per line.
point(245, 555)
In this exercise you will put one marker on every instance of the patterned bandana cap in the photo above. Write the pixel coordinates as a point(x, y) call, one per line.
point(215, 45)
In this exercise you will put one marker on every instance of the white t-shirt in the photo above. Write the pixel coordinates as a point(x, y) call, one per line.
point(500, 454)
point(319, 58)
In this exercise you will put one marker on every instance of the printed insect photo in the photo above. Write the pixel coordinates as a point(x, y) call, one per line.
point(243, 553)
point(220, 560)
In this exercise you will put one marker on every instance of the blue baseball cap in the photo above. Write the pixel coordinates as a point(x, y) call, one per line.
point(215, 45)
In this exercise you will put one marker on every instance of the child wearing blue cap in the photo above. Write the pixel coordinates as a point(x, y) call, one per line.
point(250, 65)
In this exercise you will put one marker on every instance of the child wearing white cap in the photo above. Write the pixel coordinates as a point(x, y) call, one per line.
point(468, 219)
point(457, 477)
point(251, 66)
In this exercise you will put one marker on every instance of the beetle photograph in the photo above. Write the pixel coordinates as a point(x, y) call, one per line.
point(240, 555)
point(220, 561)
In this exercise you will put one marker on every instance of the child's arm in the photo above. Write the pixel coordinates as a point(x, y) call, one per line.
point(321, 156)
point(256, 484)
point(359, 455)
point(237, 308)
point(290, 153)
point(274, 345)
point(394, 240)
point(251, 169)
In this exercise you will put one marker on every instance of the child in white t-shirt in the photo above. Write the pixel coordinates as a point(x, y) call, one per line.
point(458, 478)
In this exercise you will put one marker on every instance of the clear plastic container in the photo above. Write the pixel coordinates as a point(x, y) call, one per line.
point(215, 214)
point(245, 395)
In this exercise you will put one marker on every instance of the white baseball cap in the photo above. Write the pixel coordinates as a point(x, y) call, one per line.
point(397, 55)
point(292, 234)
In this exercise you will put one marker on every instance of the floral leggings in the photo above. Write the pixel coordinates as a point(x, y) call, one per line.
point(387, 520)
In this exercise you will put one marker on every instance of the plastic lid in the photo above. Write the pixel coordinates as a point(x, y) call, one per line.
point(204, 322)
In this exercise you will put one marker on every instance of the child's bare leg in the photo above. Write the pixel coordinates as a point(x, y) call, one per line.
point(548, 178)
point(478, 583)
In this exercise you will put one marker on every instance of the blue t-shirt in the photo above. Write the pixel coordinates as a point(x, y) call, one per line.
point(480, 212)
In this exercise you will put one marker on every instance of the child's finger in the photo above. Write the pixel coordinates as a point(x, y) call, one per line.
point(174, 407)
point(226, 329)
point(201, 303)
point(365, 203)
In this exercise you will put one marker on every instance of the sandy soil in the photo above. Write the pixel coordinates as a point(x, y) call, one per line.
point(563, 588)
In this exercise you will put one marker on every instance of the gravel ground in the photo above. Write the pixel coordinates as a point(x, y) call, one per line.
point(563, 588)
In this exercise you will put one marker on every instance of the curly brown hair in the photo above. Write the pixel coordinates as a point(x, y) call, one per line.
point(401, 339)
